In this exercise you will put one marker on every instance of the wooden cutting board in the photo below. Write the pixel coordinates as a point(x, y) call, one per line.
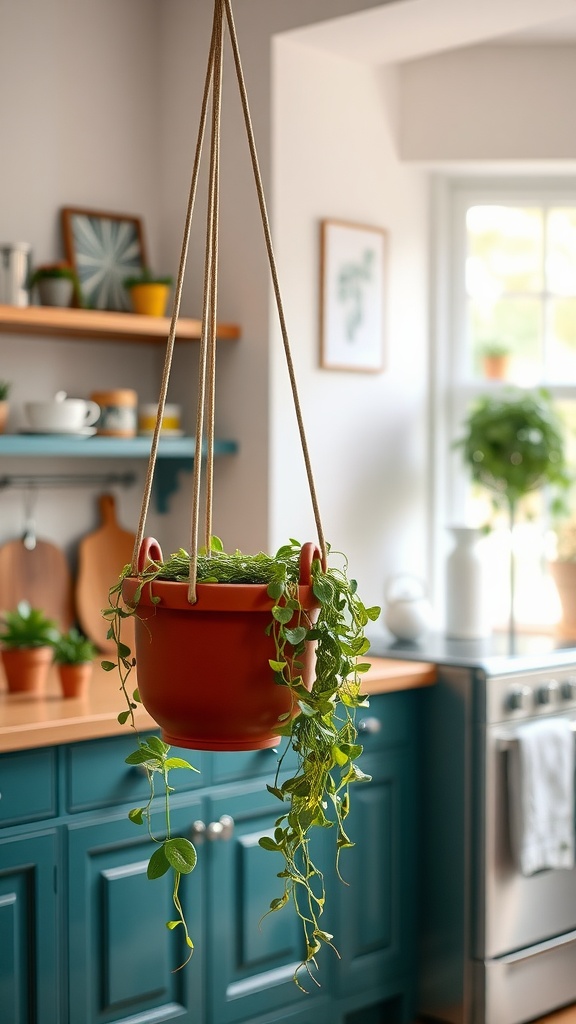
point(40, 576)
point(101, 557)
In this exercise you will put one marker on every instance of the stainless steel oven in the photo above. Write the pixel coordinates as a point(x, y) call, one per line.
point(497, 947)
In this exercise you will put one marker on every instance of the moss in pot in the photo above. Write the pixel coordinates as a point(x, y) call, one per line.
point(27, 639)
point(318, 725)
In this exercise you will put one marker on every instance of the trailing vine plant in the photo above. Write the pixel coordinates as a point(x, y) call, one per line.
point(320, 728)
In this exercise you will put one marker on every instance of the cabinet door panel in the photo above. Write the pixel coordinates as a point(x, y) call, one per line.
point(123, 959)
point(28, 939)
point(374, 930)
point(252, 962)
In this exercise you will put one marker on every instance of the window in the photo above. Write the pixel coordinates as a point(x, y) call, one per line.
point(506, 315)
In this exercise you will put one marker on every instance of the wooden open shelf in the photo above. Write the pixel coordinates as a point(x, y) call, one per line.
point(101, 325)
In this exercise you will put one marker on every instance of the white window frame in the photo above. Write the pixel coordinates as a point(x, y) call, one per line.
point(451, 385)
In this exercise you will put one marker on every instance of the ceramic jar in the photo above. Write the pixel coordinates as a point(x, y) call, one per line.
point(119, 413)
point(408, 613)
point(467, 612)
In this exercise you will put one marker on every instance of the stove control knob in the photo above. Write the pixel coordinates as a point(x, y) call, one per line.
point(568, 688)
point(519, 700)
point(547, 692)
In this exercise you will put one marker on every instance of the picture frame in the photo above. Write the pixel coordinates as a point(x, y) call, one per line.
point(352, 296)
point(103, 248)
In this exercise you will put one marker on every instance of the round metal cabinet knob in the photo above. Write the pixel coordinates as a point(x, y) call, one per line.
point(369, 725)
point(220, 830)
point(519, 699)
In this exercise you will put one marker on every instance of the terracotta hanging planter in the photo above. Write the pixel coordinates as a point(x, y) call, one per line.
point(203, 669)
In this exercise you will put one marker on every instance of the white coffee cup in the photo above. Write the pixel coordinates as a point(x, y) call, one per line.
point(61, 414)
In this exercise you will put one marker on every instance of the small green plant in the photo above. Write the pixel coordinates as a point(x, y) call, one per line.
point(53, 271)
point(146, 277)
point(5, 387)
point(513, 444)
point(322, 732)
point(493, 348)
point(72, 648)
point(27, 627)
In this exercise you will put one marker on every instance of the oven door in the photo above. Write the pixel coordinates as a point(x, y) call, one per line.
point(512, 911)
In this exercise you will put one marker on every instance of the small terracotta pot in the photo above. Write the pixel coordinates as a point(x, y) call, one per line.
point(75, 679)
point(203, 669)
point(4, 410)
point(27, 668)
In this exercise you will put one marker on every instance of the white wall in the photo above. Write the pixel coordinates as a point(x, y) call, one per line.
point(78, 126)
point(489, 103)
point(334, 157)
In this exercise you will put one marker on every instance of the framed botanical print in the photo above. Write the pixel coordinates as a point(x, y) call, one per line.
point(352, 303)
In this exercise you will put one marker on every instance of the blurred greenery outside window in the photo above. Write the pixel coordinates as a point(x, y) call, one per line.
point(517, 300)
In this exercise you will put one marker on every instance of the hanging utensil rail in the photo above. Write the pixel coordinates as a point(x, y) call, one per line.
point(66, 480)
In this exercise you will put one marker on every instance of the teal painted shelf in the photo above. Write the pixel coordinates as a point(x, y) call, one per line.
point(174, 454)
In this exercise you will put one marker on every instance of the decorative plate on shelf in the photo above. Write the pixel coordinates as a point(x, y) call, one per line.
point(104, 249)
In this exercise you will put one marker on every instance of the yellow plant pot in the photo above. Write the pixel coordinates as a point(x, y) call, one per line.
point(150, 299)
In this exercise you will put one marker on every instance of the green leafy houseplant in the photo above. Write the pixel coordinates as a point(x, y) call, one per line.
point(27, 638)
point(72, 648)
point(55, 272)
point(5, 387)
point(27, 627)
point(322, 730)
point(513, 445)
point(146, 277)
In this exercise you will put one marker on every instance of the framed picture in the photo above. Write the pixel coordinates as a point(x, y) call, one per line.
point(352, 305)
point(104, 249)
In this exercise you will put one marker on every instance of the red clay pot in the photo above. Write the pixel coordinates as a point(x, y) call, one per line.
point(26, 668)
point(75, 679)
point(203, 672)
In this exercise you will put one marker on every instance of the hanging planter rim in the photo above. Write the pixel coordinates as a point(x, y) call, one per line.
point(211, 597)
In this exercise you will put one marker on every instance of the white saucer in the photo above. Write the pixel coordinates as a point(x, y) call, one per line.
point(83, 432)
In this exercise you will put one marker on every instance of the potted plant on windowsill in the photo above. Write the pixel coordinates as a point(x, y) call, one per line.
point(148, 294)
point(74, 656)
point(495, 356)
point(57, 284)
point(513, 444)
point(298, 657)
point(27, 638)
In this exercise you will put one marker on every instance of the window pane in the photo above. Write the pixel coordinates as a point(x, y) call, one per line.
point(561, 355)
point(504, 251)
point(561, 254)
point(516, 322)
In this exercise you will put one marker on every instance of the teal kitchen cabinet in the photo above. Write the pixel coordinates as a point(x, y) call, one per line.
point(29, 950)
point(95, 949)
point(374, 913)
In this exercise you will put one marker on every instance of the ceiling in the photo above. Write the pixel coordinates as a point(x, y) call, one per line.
point(401, 30)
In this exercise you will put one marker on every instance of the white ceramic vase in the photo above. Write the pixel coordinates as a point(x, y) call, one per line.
point(467, 611)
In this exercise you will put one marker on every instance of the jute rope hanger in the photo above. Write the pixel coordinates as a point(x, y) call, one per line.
point(207, 358)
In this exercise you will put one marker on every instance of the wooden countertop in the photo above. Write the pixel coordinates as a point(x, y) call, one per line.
point(28, 721)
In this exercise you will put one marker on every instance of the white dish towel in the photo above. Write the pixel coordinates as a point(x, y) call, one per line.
point(541, 795)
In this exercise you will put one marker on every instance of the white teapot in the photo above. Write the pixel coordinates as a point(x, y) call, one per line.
point(408, 613)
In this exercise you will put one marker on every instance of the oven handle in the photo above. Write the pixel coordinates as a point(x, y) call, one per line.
point(506, 743)
point(542, 947)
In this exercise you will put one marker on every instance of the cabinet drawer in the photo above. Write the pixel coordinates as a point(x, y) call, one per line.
point(233, 766)
point(389, 721)
point(27, 786)
point(97, 775)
